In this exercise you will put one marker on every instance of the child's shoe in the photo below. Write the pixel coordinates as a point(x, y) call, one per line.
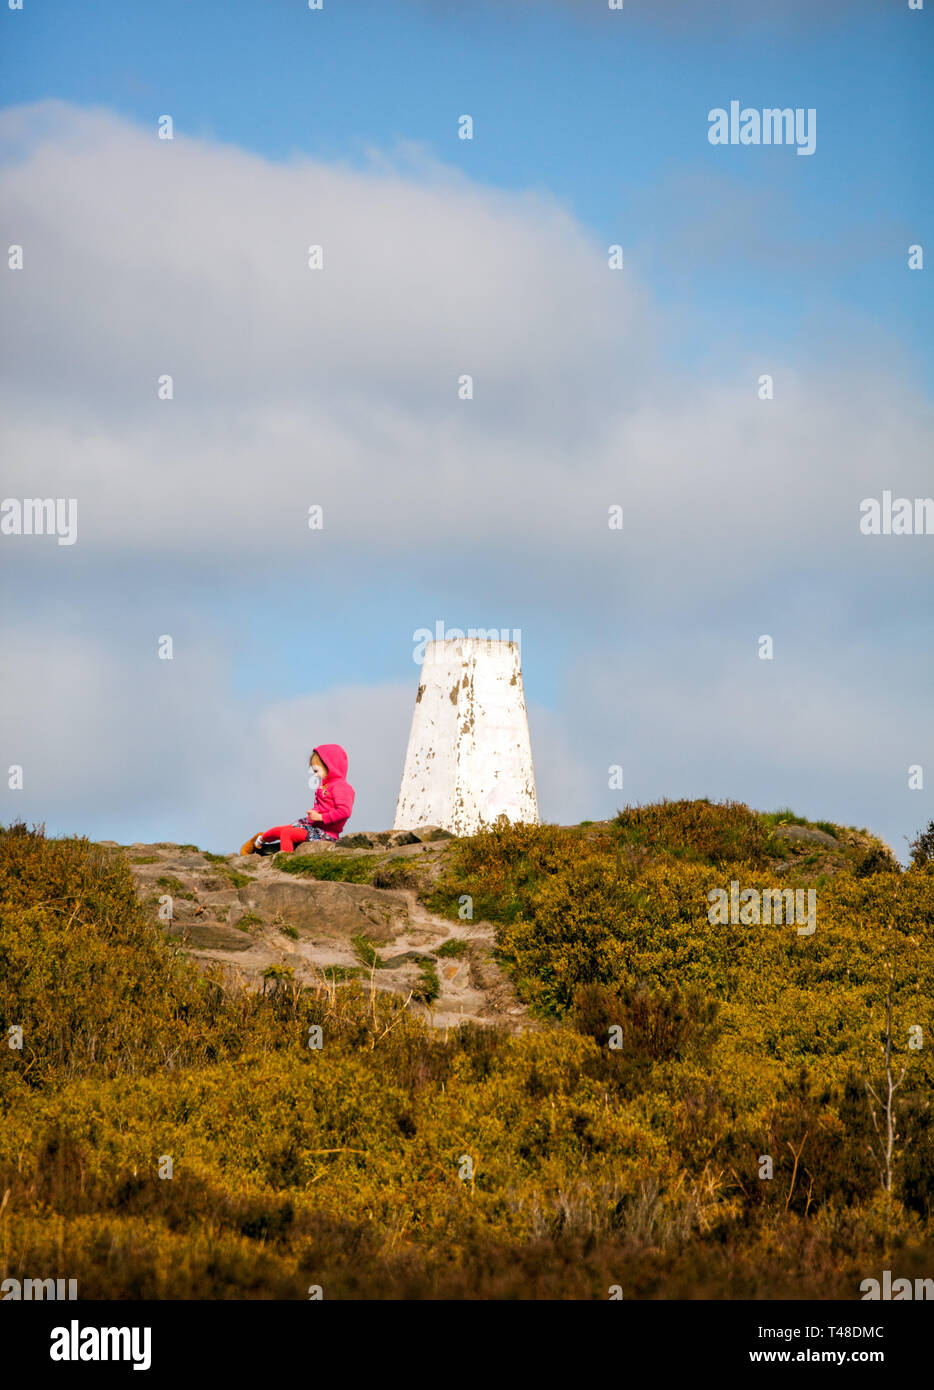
point(252, 846)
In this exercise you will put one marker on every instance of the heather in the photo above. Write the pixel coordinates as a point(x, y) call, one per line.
point(619, 1141)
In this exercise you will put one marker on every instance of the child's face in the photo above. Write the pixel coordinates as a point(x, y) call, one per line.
point(317, 766)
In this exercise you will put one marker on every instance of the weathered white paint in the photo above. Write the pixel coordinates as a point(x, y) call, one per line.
point(469, 758)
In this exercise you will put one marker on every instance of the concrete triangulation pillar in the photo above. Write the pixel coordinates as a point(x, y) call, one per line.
point(469, 758)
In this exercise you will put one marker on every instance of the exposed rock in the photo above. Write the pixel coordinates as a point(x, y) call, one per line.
point(341, 910)
point(245, 915)
point(805, 832)
point(364, 839)
point(316, 847)
point(209, 936)
point(386, 839)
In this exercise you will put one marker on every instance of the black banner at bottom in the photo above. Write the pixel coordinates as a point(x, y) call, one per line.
point(256, 1338)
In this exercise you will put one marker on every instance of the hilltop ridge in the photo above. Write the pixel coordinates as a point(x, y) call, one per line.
point(603, 1117)
point(357, 909)
point(330, 914)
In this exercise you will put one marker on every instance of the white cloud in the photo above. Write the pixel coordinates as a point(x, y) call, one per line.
point(339, 388)
point(294, 387)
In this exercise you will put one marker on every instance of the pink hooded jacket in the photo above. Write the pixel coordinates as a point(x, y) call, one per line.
point(335, 797)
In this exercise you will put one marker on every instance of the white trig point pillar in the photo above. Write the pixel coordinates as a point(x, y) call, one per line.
point(469, 758)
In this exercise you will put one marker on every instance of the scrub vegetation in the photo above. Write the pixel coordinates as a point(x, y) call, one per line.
point(626, 1139)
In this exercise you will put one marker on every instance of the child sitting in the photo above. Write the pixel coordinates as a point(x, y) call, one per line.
point(333, 804)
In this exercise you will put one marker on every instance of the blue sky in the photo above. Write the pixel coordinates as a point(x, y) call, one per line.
point(487, 255)
point(608, 116)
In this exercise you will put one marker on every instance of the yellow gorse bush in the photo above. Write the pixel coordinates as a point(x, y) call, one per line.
point(395, 1162)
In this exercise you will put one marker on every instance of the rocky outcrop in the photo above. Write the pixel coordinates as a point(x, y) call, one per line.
point(385, 839)
point(247, 915)
point(805, 832)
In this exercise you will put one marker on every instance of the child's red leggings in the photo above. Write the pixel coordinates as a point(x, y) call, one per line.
point(288, 836)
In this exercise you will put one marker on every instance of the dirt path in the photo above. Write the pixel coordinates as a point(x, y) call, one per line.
point(247, 916)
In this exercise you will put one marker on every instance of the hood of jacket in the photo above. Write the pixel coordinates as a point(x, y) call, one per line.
point(334, 759)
